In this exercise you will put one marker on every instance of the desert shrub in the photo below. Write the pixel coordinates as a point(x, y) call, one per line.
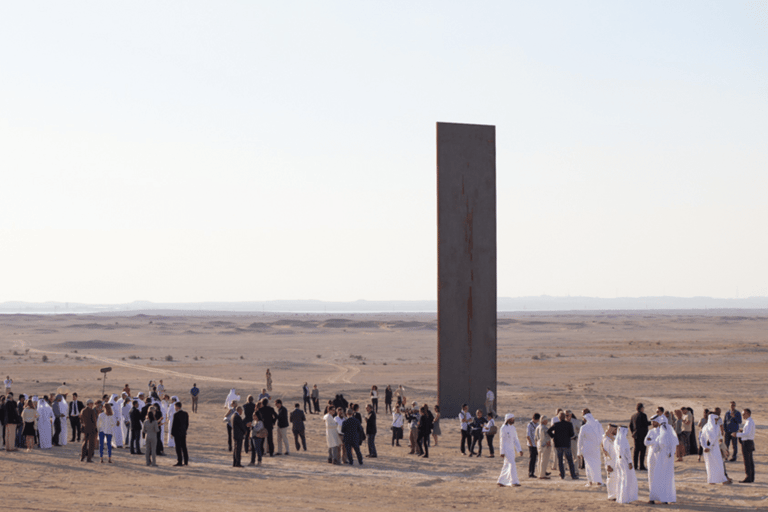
point(16, 353)
point(45, 358)
point(195, 358)
point(134, 357)
point(241, 357)
point(319, 356)
point(169, 357)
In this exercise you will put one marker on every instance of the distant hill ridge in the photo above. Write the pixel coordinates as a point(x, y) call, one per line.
point(504, 304)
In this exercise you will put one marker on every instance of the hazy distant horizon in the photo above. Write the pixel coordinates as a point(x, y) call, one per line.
point(309, 306)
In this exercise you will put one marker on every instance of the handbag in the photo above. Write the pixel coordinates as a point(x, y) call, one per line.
point(492, 431)
point(259, 430)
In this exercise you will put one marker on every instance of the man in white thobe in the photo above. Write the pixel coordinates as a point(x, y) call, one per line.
point(510, 446)
point(171, 411)
point(661, 443)
point(609, 457)
point(125, 410)
point(626, 479)
point(45, 423)
point(709, 439)
point(590, 437)
point(332, 438)
point(63, 408)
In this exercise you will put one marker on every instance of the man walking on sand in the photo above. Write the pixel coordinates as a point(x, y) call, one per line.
point(489, 397)
point(195, 392)
point(510, 446)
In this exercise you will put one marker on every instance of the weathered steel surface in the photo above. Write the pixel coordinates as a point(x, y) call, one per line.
point(466, 265)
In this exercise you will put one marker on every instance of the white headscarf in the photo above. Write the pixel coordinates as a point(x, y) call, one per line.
point(711, 431)
point(667, 440)
point(621, 444)
point(592, 426)
point(232, 396)
point(508, 417)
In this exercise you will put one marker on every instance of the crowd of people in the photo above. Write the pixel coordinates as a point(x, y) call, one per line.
point(658, 443)
point(154, 420)
point(148, 421)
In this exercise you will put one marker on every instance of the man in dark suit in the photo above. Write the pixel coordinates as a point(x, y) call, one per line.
point(638, 425)
point(352, 434)
point(370, 430)
point(179, 433)
point(268, 417)
point(248, 409)
point(238, 434)
point(136, 424)
point(75, 406)
point(88, 418)
point(12, 421)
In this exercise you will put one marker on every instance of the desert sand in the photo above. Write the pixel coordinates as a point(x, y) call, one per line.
point(604, 361)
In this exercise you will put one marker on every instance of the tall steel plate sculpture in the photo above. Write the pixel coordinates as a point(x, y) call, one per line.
point(466, 265)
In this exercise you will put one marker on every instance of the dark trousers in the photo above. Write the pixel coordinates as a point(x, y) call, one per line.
point(533, 453)
point(349, 447)
point(307, 405)
point(375, 405)
point(423, 443)
point(237, 452)
point(136, 441)
point(477, 440)
point(297, 436)
point(747, 450)
point(89, 445)
point(465, 438)
point(731, 439)
point(388, 407)
point(567, 453)
point(638, 455)
point(270, 442)
point(257, 448)
point(371, 445)
point(316, 403)
point(56, 431)
point(247, 440)
point(159, 444)
point(229, 436)
point(397, 435)
point(74, 422)
point(489, 441)
point(182, 457)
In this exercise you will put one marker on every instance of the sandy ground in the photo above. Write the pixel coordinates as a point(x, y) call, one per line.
point(606, 362)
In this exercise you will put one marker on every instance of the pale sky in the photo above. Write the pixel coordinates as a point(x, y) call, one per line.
point(225, 151)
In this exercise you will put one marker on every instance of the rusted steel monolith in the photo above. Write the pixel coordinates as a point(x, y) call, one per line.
point(466, 265)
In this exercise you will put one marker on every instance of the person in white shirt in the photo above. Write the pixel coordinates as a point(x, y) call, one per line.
point(106, 424)
point(489, 430)
point(489, 396)
point(747, 437)
point(8, 384)
point(465, 418)
point(510, 446)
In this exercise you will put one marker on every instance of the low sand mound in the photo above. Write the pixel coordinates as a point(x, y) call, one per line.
point(92, 345)
point(335, 323)
point(258, 326)
point(295, 323)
